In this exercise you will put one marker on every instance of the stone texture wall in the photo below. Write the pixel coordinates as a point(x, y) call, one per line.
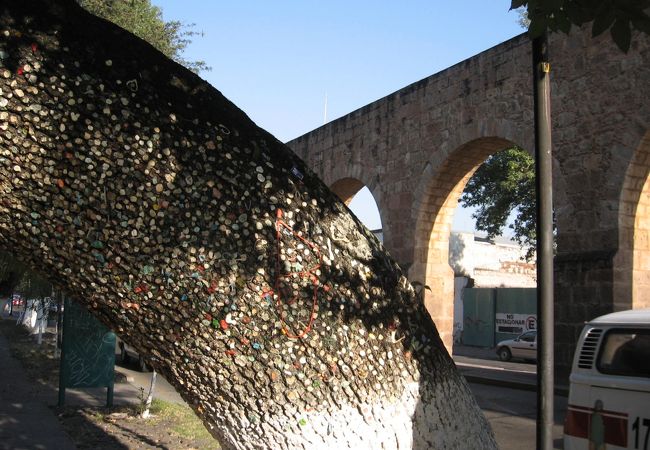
point(391, 145)
point(416, 148)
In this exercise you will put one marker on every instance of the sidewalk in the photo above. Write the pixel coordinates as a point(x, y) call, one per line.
point(27, 420)
point(475, 352)
point(142, 380)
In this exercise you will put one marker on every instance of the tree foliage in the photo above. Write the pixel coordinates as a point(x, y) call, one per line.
point(620, 17)
point(16, 276)
point(505, 182)
point(32, 285)
point(11, 272)
point(523, 20)
point(145, 20)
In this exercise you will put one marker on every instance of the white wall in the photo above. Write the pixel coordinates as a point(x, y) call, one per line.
point(488, 265)
point(459, 286)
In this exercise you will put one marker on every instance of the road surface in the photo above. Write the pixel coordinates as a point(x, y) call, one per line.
point(512, 412)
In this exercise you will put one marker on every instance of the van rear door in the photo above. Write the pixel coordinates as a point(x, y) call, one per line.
point(609, 406)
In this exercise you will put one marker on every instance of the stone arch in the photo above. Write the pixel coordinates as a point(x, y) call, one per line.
point(438, 201)
point(346, 188)
point(632, 262)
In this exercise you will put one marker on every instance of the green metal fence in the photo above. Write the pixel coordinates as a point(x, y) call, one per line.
point(491, 315)
point(478, 317)
point(516, 312)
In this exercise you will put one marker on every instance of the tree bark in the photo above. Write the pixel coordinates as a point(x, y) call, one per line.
point(209, 246)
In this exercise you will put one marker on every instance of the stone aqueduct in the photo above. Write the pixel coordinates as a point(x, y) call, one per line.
point(416, 149)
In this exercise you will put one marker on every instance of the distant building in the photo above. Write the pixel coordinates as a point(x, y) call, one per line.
point(499, 263)
point(486, 263)
point(480, 263)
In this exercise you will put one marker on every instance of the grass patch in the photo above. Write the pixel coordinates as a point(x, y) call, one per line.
point(185, 423)
point(171, 426)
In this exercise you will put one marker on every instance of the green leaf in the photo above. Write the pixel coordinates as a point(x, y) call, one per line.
point(563, 24)
point(642, 24)
point(514, 4)
point(602, 22)
point(502, 186)
point(553, 6)
point(538, 25)
point(145, 20)
point(576, 14)
point(621, 34)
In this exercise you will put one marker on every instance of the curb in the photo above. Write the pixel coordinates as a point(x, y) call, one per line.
point(559, 390)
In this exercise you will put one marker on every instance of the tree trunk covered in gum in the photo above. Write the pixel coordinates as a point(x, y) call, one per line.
point(208, 245)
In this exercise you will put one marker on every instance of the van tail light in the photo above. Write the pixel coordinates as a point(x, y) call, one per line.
point(578, 424)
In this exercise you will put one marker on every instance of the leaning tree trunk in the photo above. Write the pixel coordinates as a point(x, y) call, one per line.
point(208, 245)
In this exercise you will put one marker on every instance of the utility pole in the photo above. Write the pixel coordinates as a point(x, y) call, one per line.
point(544, 184)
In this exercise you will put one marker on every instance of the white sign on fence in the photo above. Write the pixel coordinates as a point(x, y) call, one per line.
point(515, 323)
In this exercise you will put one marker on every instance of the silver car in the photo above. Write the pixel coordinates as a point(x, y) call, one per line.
point(523, 346)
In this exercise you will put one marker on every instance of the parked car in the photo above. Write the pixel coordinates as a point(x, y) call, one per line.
point(18, 304)
point(609, 391)
point(128, 353)
point(523, 346)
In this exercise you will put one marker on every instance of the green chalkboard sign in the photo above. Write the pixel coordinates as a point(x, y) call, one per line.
point(87, 353)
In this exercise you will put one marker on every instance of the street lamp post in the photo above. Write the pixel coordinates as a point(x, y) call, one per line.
point(544, 184)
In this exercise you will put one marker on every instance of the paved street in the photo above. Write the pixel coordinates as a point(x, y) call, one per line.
point(506, 392)
point(512, 374)
point(512, 412)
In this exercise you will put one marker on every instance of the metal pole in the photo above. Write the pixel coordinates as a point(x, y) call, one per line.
point(62, 371)
point(544, 182)
point(59, 323)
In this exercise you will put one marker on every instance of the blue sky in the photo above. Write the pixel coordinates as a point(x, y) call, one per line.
point(279, 60)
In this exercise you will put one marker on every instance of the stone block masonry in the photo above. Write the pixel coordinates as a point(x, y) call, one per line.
point(416, 148)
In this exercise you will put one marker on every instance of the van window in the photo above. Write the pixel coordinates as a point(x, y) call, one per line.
point(625, 352)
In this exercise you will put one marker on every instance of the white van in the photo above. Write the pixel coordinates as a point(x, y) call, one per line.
point(609, 397)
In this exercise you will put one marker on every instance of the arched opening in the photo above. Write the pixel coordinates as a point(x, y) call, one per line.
point(434, 220)
point(492, 249)
point(346, 189)
point(632, 275)
point(361, 202)
point(641, 262)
